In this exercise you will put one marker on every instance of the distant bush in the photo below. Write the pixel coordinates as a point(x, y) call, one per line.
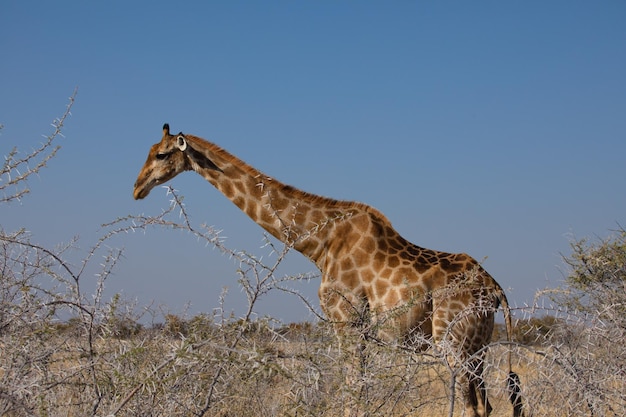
point(596, 282)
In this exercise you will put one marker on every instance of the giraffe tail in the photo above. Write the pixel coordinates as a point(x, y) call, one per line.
point(513, 380)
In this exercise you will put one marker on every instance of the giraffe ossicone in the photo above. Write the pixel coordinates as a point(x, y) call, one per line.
point(368, 270)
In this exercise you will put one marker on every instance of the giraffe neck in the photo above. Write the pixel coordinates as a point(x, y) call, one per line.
point(299, 219)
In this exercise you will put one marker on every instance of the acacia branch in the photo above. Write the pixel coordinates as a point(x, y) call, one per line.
point(16, 170)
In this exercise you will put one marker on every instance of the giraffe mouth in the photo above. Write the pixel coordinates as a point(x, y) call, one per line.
point(141, 191)
point(139, 194)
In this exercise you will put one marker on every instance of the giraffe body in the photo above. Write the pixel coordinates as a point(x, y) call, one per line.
point(369, 272)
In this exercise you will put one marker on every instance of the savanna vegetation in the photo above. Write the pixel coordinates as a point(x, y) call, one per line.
point(65, 351)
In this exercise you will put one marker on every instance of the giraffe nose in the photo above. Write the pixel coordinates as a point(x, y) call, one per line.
point(138, 192)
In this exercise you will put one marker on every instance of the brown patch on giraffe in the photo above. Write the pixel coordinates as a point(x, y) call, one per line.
point(334, 214)
point(240, 188)
point(368, 245)
point(240, 202)
point(350, 279)
point(228, 189)
point(409, 294)
point(251, 210)
point(421, 267)
point(361, 224)
point(333, 270)
point(450, 266)
point(440, 323)
point(234, 173)
point(266, 217)
point(377, 228)
point(392, 298)
point(299, 217)
point(393, 261)
point(396, 245)
point(379, 261)
point(397, 279)
point(354, 240)
point(330, 299)
point(316, 216)
point(412, 250)
point(367, 275)
point(380, 287)
point(360, 256)
point(431, 256)
point(283, 204)
point(386, 273)
point(347, 264)
point(435, 279)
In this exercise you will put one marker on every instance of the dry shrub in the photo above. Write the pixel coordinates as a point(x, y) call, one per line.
point(67, 352)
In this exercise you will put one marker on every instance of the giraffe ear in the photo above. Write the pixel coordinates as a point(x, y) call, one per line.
point(181, 143)
point(166, 129)
point(198, 159)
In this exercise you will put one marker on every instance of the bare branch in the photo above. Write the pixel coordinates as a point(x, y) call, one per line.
point(17, 169)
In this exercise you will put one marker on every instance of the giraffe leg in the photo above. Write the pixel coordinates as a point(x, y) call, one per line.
point(468, 395)
point(474, 398)
point(356, 386)
point(478, 388)
point(473, 390)
point(349, 313)
point(483, 407)
point(483, 401)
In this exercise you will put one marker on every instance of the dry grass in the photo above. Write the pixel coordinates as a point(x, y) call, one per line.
point(269, 373)
point(156, 373)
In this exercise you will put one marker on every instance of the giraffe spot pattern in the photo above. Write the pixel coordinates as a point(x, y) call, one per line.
point(365, 263)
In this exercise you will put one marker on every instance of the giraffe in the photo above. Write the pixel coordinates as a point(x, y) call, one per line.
point(366, 266)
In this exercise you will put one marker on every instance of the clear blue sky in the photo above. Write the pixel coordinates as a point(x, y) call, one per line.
point(492, 128)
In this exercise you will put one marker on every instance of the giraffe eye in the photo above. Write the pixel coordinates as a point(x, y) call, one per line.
point(162, 156)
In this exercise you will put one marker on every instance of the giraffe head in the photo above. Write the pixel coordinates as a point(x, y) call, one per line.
point(167, 159)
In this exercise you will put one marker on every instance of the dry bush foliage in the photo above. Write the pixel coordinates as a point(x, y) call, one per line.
point(71, 353)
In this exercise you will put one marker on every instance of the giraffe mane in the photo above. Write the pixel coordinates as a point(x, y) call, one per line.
point(315, 199)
